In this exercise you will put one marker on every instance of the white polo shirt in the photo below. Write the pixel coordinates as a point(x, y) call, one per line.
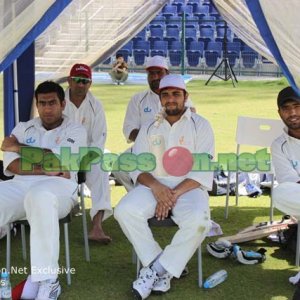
point(91, 115)
point(142, 109)
point(192, 132)
point(285, 152)
point(32, 133)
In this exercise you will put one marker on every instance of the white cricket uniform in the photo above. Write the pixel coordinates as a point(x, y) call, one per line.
point(191, 212)
point(41, 199)
point(286, 159)
point(91, 115)
point(141, 109)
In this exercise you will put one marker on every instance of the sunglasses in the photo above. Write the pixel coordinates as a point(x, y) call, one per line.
point(81, 80)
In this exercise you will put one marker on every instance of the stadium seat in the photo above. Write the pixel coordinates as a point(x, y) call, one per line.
point(207, 21)
point(154, 39)
point(159, 48)
point(207, 32)
point(191, 22)
point(140, 52)
point(213, 53)
point(194, 53)
point(174, 22)
point(190, 36)
point(201, 11)
point(154, 32)
point(170, 40)
point(205, 40)
point(249, 58)
point(187, 9)
point(169, 11)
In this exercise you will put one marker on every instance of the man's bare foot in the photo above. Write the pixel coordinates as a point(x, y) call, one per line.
point(99, 236)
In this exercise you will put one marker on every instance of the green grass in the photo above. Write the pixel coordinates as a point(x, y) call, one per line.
point(111, 272)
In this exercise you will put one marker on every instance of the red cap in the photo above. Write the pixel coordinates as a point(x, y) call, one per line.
point(81, 70)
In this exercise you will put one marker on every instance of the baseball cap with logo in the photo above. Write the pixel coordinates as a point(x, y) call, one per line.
point(81, 70)
point(287, 94)
point(157, 61)
point(172, 81)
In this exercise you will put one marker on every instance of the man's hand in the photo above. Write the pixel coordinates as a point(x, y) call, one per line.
point(10, 143)
point(161, 212)
point(163, 195)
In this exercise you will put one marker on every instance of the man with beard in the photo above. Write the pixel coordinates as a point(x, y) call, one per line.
point(159, 194)
point(82, 107)
point(286, 154)
point(143, 107)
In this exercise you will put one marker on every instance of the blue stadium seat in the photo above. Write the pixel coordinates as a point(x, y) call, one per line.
point(207, 32)
point(234, 46)
point(174, 32)
point(170, 40)
point(175, 53)
point(141, 36)
point(201, 11)
point(213, 53)
point(249, 57)
point(153, 39)
point(190, 36)
point(194, 53)
point(154, 32)
point(195, 4)
point(169, 10)
point(220, 29)
point(178, 4)
point(174, 22)
point(157, 25)
point(205, 40)
point(188, 9)
point(140, 52)
point(232, 57)
point(158, 20)
point(159, 48)
point(107, 61)
point(191, 22)
point(207, 21)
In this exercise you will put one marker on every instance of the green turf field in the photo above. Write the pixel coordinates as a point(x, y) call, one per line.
point(110, 273)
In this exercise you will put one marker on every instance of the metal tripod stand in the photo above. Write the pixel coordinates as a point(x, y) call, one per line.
point(228, 71)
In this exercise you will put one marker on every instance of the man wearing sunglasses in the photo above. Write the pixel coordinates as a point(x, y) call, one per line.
point(84, 108)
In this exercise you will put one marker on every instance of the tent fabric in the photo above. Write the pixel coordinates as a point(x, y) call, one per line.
point(278, 25)
point(271, 28)
point(90, 31)
point(21, 30)
point(240, 20)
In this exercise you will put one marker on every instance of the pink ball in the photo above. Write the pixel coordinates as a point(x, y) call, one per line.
point(177, 161)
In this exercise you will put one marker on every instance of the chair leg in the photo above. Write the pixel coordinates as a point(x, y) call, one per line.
point(298, 245)
point(67, 249)
point(227, 196)
point(84, 225)
point(23, 238)
point(271, 200)
point(200, 275)
point(8, 248)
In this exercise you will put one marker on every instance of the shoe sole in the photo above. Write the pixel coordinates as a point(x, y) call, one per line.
point(136, 294)
point(158, 293)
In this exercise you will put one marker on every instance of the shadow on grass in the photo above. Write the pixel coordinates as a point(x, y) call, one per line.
point(110, 273)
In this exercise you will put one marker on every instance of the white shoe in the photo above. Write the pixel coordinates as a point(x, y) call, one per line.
point(48, 290)
point(143, 286)
point(163, 284)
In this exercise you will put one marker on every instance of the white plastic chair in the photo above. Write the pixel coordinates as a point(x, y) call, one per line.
point(255, 132)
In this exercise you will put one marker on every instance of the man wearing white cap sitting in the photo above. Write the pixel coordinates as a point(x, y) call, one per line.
point(158, 193)
point(143, 107)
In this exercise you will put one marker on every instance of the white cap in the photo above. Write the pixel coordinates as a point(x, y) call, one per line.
point(172, 81)
point(158, 62)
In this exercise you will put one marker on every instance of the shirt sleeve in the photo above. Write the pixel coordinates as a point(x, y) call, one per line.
point(9, 157)
point(284, 170)
point(205, 144)
point(141, 145)
point(99, 129)
point(132, 117)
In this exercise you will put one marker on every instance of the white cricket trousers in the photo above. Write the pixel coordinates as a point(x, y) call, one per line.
point(42, 202)
point(286, 197)
point(98, 182)
point(191, 213)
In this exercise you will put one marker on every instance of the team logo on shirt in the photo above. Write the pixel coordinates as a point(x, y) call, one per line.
point(71, 140)
point(181, 140)
point(147, 109)
point(30, 140)
point(57, 140)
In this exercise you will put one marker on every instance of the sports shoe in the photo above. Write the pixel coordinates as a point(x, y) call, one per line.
point(48, 290)
point(143, 286)
point(163, 284)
